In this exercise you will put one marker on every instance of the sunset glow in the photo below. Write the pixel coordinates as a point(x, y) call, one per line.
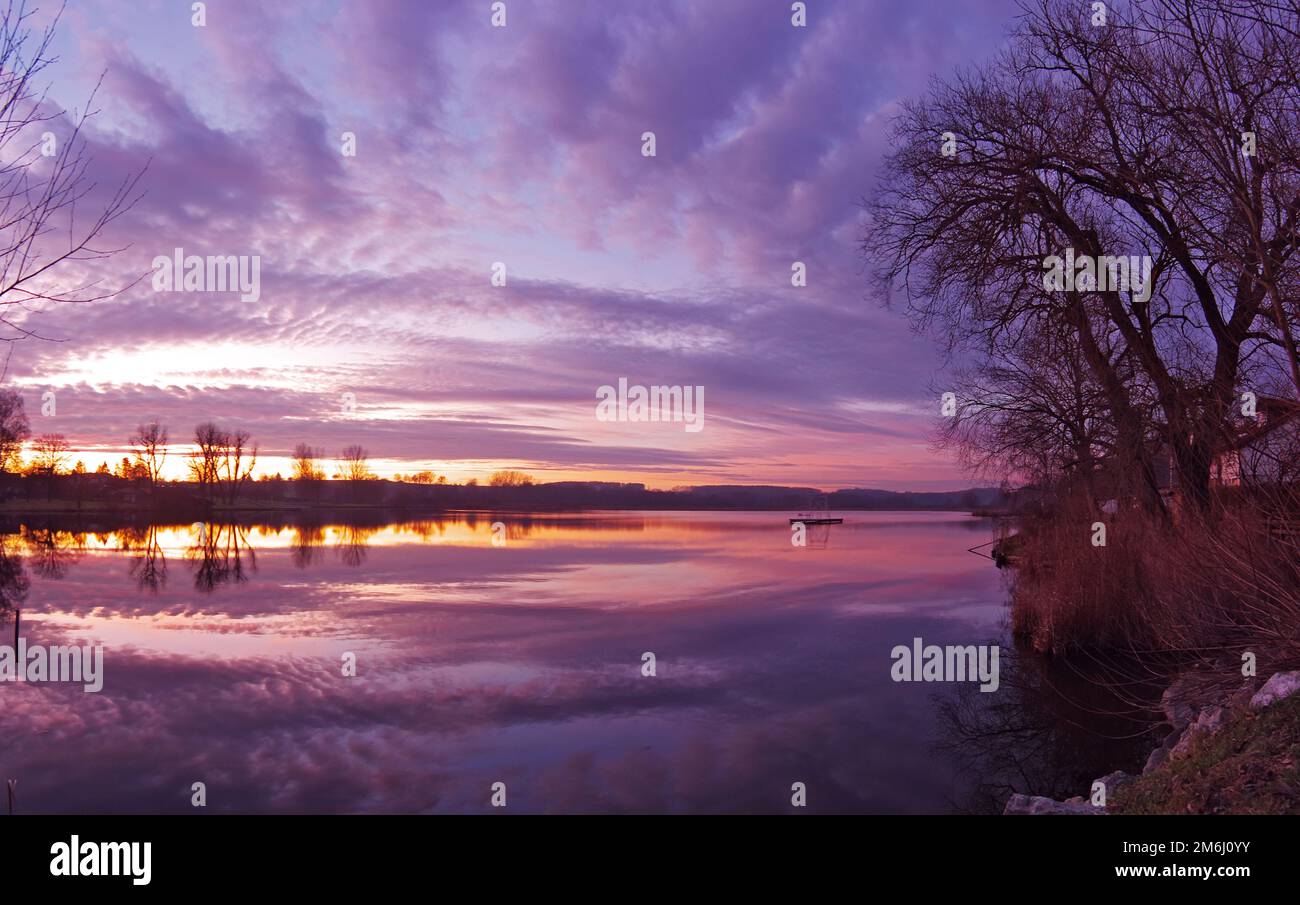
point(376, 269)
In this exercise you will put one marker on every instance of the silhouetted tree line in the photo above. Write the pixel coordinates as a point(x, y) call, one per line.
point(221, 463)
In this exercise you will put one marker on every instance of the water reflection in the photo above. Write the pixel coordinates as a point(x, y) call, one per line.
point(148, 560)
point(518, 661)
point(308, 539)
point(220, 554)
point(351, 544)
point(1052, 731)
point(50, 551)
point(14, 582)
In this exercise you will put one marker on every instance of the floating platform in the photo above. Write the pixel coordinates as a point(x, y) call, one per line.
point(818, 521)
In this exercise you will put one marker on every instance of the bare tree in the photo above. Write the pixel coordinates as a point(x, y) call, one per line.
point(150, 445)
point(509, 478)
point(204, 464)
point(1036, 413)
point(354, 464)
point(43, 183)
point(49, 452)
point(1125, 140)
point(239, 456)
point(222, 462)
point(305, 463)
point(14, 430)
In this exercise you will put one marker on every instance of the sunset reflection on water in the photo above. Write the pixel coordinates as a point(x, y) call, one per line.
point(478, 663)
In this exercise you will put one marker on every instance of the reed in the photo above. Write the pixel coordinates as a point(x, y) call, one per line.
point(1206, 586)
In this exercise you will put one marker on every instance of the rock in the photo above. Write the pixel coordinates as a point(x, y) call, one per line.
point(1116, 780)
point(1240, 699)
point(1188, 709)
point(1037, 805)
point(1211, 719)
point(1177, 705)
point(1281, 686)
point(1208, 721)
point(1155, 759)
point(1185, 743)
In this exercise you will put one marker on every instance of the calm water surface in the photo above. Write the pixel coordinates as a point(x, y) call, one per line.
point(521, 663)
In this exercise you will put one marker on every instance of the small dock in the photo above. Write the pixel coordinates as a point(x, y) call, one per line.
point(1006, 550)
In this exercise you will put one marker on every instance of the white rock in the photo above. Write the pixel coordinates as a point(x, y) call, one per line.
point(1281, 686)
point(1037, 805)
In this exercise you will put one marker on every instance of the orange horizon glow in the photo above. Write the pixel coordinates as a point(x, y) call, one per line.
point(175, 469)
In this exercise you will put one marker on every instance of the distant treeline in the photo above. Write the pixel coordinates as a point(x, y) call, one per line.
point(221, 462)
point(100, 491)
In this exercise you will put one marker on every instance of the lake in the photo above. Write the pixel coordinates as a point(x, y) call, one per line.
point(515, 655)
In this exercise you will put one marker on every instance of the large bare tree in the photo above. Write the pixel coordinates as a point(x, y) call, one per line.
point(49, 454)
point(1165, 133)
point(239, 457)
point(222, 461)
point(1036, 413)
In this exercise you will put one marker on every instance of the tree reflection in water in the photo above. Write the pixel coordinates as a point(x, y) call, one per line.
point(218, 554)
point(14, 583)
point(149, 564)
point(1050, 729)
point(225, 553)
point(308, 540)
point(351, 546)
point(51, 551)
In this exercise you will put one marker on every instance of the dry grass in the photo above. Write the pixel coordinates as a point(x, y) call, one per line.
point(1206, 587)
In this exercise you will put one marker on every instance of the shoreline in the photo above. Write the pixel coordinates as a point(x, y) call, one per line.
point(1220, 742)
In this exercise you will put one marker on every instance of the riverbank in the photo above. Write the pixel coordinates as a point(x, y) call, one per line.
point(1209, 602)
point(1231, 760)
point(1180, 585)
point(1234, 752)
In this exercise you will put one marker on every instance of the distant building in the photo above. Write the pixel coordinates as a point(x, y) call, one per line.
point(1266, 451)
point(1262, 450)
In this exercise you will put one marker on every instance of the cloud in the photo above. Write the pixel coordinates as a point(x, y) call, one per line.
point(521, 145)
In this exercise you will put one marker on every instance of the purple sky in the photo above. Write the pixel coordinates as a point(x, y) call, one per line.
point(521, 145)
